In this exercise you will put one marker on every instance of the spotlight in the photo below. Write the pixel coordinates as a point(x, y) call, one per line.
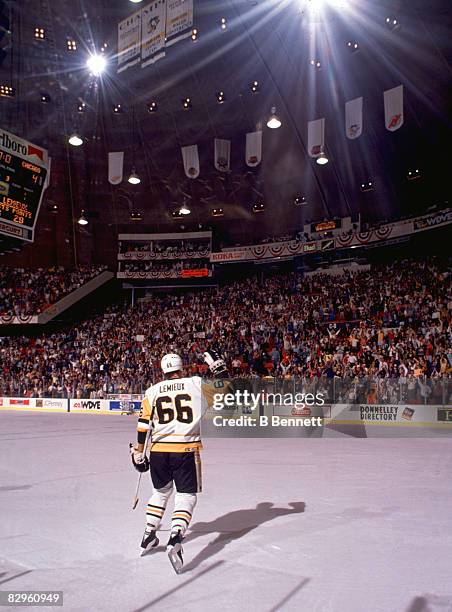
point(414, 174)
point(7, 91)
point(152, 107)
point(134, 179)
point(194, 35)
point(220, 97)
point(392, 24)
point(82, 220)
point(352, 46)
point(217, 212)
point(71, 45)
point(322, 159)
point(186, 103)
point(223, 23)
point(136, 216)
point(258, 207)
point(254, 87)
point(299, 200)
point(184, 210)
point(45, 98)
point(81, 107)
point(176, 214)
point(274, 121)
point(53, 209)
point(96, 64)
point(117, 108)
point(39, 33)
point(75, 140)
point(315, 63)
point(367, 186)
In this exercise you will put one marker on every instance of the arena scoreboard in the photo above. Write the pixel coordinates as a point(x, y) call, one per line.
point(23, 178)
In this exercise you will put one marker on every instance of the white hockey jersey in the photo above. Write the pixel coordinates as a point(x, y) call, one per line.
point(173, 410)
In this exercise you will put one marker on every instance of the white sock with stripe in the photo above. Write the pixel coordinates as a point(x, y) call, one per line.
point(184, 504)
point(156, 506)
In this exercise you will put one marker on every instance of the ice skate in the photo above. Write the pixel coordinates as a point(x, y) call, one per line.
point(175, 551)
point(149, 541)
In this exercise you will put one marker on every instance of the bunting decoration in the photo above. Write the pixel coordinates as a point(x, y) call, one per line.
point(316, 137)
point(253, 148)
point(115, 167)
point(393, 99)
point(129, 41)
point(222, 155)
point(354, 118)
point(191, 161)
point(153, 24)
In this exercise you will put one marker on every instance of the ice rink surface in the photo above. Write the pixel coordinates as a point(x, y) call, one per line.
point(335, 524)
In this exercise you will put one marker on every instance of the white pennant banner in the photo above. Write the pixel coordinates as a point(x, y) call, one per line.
point(153, 24)
point(316, 137)
point(354, 118)
point(115, 167)
point(393, 99)
point(222, 155)
point(179, 20)
point(253, 148)
point(49, 167)
point(191, 161)
point(129, 41)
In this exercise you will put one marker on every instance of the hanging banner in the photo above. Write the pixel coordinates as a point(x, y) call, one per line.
point(115, 167)
point(393, 99)
point(153, 18)
point(191, 161)
point(222, 155)
point(49, 166)
point(179, 20)
point(354, 118)
point(129, 41)
point(316, 137)
point(253, 148)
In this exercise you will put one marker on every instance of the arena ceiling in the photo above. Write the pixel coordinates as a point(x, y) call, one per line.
point(268, 41)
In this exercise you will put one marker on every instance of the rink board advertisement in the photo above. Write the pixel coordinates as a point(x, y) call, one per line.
point(34, 403)
point(262, 419)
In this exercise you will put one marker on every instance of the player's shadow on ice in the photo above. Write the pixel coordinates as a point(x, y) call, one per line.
point(235, 525)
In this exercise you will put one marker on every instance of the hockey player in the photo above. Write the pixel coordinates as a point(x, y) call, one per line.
point(172, 410)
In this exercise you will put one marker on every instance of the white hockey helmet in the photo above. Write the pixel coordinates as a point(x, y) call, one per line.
point(171, 363)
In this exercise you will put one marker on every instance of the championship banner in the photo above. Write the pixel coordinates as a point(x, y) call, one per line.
point(191, 161)
point(393, 99)
point(129, 41)
point(354, 118)
point(153, 18)
point(222, 155)
point(179, 20)
point(253, 148)
point(316, 137)
point(115, 167)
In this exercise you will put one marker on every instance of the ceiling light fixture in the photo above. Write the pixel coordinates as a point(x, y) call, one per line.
point(322, 159)
point(96, 64)
point(274, 121)
point(134, 179)
point(75, 140)
point(82, 220)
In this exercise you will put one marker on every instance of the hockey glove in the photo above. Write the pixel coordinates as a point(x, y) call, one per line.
point(216, 364)
point(139, 459)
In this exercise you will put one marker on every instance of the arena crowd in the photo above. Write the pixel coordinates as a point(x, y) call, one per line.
point(390, 325)
point(25, 292)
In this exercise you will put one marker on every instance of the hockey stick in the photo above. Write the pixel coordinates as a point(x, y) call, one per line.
point(136, 499)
